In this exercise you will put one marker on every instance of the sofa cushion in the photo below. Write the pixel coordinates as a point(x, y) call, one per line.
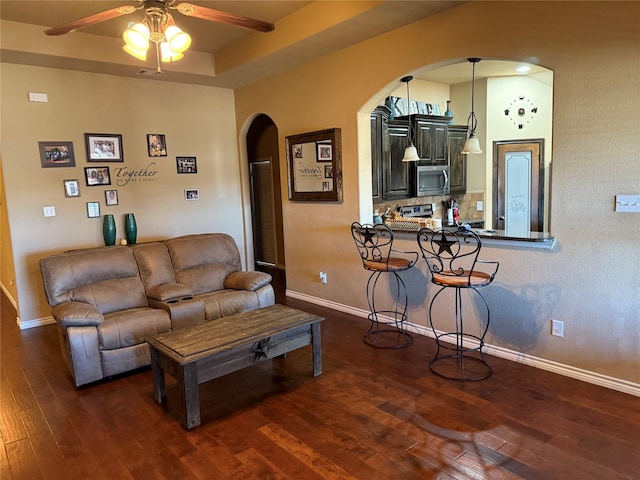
point(105, 277)
point(247, 280)
point(131, 327)
point(224, 303)
point(154, 264)
point(202, 262)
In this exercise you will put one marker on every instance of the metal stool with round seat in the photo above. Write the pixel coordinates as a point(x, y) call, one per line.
point(452, 259)
point(375, 245)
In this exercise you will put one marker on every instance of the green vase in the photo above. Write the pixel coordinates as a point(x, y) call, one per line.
point(130, 228)
point(109, 230)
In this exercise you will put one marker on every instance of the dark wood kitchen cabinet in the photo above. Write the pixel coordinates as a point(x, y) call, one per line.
point(457, 136)
point(396, 174)
point(379, 149)
point(431, 139)
point(390, 176)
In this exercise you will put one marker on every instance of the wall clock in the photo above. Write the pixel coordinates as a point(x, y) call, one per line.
point(521, 111)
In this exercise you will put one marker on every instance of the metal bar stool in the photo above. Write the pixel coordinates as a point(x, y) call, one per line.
point(452, 258)
point(375, 245)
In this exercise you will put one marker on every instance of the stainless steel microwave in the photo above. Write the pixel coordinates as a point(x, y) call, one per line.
point(432, 180)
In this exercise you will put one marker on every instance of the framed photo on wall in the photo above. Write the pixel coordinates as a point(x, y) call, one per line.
point(111, 197)
point(104, 147)
point(96, 176)
point(71, 188)
point(186, 165)
point(325, 152)
point(191, 194)
point(156, 145)
point(56, 154)
point(93, 209)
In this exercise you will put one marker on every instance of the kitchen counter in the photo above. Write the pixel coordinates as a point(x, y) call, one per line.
point(498, 238)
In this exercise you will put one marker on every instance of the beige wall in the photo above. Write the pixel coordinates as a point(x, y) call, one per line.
point(591, 279)
point(197, 121)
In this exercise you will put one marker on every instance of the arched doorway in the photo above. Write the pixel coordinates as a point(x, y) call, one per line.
point(266, 200)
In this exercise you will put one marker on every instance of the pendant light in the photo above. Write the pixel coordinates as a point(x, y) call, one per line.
point(410, 153)
point(472, 145)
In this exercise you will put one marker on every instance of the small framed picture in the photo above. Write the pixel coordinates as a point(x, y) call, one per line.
point(328, 171)
point(56, 154)
point(325, 154)
point(93, 209)
point(104, 147)
point(156, 145)
point(186, 165)
point(96, 176)
point(111, 197)
point(71, 188)
point(191, 194)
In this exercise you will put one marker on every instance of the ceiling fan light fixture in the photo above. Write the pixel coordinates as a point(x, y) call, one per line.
point(179, 40)
point(139, 54)
point(137, 36)
point(167, 54)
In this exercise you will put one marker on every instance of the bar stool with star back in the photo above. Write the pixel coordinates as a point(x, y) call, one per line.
point(375, 245)
point(452, 259)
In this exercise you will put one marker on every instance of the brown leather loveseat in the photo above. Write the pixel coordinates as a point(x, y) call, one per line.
point(107, 300)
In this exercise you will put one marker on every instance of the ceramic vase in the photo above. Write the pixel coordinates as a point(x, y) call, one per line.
point(130, 228)
point(448, 112)
point(109, 230)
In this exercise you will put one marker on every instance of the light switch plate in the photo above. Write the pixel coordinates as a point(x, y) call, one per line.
point(38, 97)
point(49, 211)
point(627, 203)
point(479, 206)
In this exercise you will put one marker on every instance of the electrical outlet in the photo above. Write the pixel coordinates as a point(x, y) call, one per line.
point(557, 328)
point(49, 211)
point(323, 277)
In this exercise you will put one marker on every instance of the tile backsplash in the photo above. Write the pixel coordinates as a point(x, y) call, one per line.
point(467, 203)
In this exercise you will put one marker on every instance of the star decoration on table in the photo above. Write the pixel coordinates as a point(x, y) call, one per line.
point(444, 244)
point(261, 349)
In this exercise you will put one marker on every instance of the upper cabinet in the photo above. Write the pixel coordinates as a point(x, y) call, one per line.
point(437, 142)
point(456, 137)
point(431, 139)
point(390, 175)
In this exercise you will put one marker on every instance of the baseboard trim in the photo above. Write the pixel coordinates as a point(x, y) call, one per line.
point(38, 322)
point(508, 354)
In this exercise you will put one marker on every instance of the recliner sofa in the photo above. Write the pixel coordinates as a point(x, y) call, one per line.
point(106, 301)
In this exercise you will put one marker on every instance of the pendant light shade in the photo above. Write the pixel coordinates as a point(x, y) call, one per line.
point(410, 153)
point(472, 145)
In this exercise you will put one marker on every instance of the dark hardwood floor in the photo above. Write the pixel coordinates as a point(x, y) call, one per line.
point(373, 414)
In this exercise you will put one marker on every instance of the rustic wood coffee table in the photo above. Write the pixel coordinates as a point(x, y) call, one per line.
point(198, 354)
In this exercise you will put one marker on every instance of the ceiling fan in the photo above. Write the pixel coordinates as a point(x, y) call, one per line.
point(156, 6)
point(159, 27)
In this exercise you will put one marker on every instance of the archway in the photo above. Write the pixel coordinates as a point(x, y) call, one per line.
point(266, 200)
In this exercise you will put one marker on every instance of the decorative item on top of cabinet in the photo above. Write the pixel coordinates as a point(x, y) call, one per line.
point(457, 136)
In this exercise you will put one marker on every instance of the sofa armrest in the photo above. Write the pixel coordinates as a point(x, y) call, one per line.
point(168, 291)
point(77, 314)
point(247, 280)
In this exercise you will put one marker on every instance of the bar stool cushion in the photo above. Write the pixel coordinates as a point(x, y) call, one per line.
point(451, 279)
point(390, 264)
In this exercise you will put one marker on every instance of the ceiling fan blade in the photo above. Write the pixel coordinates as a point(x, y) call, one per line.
point(91, 20)
point(205, 13)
